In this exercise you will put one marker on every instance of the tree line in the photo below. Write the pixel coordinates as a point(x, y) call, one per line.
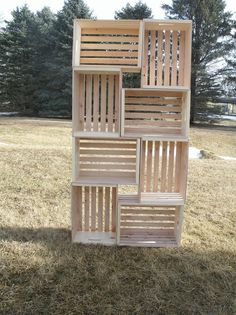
point(36, 53)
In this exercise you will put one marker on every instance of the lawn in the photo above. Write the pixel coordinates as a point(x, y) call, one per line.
point(43, 273)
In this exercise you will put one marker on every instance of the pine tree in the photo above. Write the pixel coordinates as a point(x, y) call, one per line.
point(138, 11)
point(16, 54)
point(210, 43)
point(60, 64)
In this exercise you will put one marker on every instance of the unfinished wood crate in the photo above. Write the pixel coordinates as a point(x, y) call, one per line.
point(96, 103)
point(94, 214)
point(130, 136)
point(108, 43)
point(155, 113)
point(166, 53)
point(143, 224)
point(106, 161)
point(163, 171)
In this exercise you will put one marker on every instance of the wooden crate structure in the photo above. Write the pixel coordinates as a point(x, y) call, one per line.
point(126, 136)
point(108, 43)
point(151, 112)
point(163, 171)
point(166, 53)
point(96, 103)
point(145, 224)
point(94, 214)
point(107, 161)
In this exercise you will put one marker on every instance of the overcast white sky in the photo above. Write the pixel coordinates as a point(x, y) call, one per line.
point(102, 9)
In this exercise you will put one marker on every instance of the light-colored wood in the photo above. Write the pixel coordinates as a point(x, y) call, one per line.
point(173, 52)
point(108, 43)
point(130, 136)
point(163, 170)
point(153, 113)
point(95, 161)
point(92, 209)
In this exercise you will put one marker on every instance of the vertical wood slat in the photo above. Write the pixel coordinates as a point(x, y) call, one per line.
point(156, 166)
point(163, 166)
point(152, 57)
point(174, 58)
point(181, 58)
point(114, 205)
point(107, 208)
point(143, 165)
point(86, 208)
point(81, 101)
point(95, 102)
point(171, 166)
point(100, 209)
point(110, 102)
point(159, 58)
point(117, 102)
point(145, 60)
point(149, 166)
point(88, 101)
point(93, 209)
point(167, 59)
point(103, 102)
point(177, 166)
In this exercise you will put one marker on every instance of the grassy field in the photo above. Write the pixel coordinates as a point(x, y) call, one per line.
point(43, 273)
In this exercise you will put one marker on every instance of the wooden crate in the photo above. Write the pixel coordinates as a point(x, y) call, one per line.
point(147, 225)
point(166, 53)
point(108, 43)
point(93, 214)
point(106, 161)
point(96, 103)
point(163, 171)
point(155, 113)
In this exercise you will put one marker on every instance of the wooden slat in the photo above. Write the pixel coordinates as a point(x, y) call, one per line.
point(117, 102)
point(149, 166)
point(148, 211)
point(108, 54)
point(93, 208)
point(145, 58)
point(152, 57)
point(114, 202)
point(152, 115)
point(107, 152)
point(110, 102)
point(153, 100)
point(81, 101)
point(99, 166)
point(107, 208)
point(153, 124)
point(177, 165)
point(107, 145)
point(143, 166)
point(159, 58)
point(88, 101)
point(144, 218)
point(103, 102)
point(95, 102)
point(163, 166)
point(108, 159)
point(109, 31)
point(181, 58)
point(171, 165)
point(156, 165)
point(147, 224)
point(117, 61)
point(167, 59)
point(110, 46)
point(174, 58)
point(86, 209)
point(110, 39)
point(100, 209)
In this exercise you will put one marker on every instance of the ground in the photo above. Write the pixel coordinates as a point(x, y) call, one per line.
point(43, 273)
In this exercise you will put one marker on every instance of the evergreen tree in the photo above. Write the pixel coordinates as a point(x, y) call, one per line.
point(138, 11)
point(17, 55)
point(230, 72)
point(210, 42)
point(60, 68)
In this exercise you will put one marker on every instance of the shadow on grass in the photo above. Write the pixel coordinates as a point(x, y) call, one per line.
point(80, 279)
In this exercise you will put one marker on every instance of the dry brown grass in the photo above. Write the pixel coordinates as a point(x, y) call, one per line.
point(43, 273)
